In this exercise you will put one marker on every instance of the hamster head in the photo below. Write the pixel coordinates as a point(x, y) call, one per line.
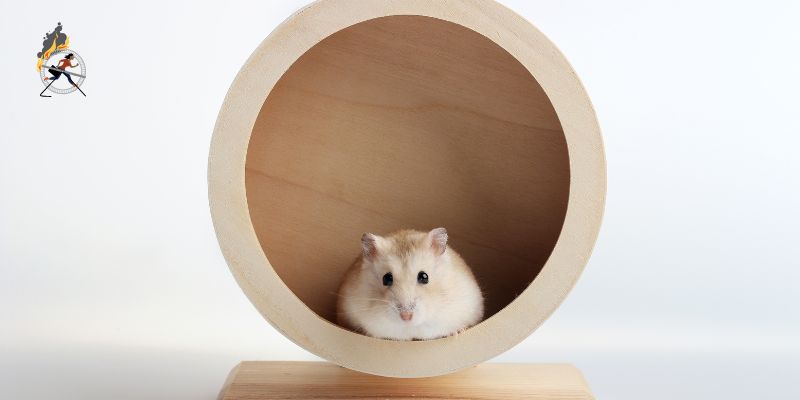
point(409, 273)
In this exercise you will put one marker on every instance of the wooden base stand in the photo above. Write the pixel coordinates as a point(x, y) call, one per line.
point(255, 380)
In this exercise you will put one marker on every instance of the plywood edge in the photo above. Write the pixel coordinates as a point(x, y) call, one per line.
point(229, 381)
point(254, 380)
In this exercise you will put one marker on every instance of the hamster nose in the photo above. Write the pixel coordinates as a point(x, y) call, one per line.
point(406, 315)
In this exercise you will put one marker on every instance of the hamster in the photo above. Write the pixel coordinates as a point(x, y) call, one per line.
point(409, 286)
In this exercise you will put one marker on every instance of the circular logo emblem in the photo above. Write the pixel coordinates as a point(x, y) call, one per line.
point(63, 81)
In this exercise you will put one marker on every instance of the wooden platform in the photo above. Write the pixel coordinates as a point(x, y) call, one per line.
point(255, 380)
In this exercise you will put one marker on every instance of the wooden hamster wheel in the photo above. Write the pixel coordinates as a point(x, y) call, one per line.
point(377, 115)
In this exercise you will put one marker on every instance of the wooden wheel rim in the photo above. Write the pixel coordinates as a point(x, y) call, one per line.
point(287, 313)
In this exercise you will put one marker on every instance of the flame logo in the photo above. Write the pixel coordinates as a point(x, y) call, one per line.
point(52, 42)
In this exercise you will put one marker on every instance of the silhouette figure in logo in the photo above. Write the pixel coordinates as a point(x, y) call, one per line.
point(63, 64)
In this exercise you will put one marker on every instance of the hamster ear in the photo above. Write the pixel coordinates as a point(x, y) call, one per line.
point(369, 245)
point(438, 240)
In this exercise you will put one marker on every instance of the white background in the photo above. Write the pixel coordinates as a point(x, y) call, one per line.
point(112, 285)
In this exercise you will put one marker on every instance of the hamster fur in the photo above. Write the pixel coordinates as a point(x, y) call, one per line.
point(403, 307)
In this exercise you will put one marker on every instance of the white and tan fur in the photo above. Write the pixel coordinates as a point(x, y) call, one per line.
point(449, 303)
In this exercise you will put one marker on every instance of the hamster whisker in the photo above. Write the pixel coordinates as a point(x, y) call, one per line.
point(370, 298)
point(361, 298)
point(354, 311)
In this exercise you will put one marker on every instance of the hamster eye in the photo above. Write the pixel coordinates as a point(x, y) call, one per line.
point(422, 277)
point(388, 279)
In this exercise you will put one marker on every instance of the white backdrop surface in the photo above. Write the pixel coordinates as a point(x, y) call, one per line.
point(112, 284)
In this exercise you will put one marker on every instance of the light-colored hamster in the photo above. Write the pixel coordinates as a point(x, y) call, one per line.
point(409, 286)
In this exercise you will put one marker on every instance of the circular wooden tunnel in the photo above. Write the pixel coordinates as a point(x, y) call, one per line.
point(378, 115)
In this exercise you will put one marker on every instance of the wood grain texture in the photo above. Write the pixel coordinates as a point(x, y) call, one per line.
point(407, 122)
point(402, 122)
point(261, 380)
